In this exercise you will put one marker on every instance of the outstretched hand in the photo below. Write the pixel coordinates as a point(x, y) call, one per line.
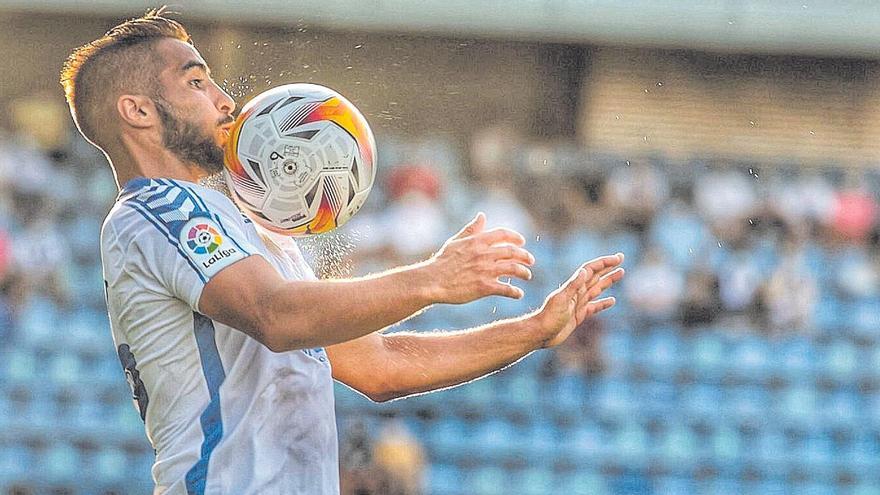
point(576, 300)
point(470, 264)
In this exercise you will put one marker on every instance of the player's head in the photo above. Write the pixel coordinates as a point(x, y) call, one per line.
point(144, 78)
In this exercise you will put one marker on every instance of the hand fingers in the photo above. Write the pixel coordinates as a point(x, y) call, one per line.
point(603, 262)
point(506, 290)
point(574, 283)
point(501, 235)
point(593, 307)
point(605, 282)
point(475, 226)
point(510, 253)
point(510, 269)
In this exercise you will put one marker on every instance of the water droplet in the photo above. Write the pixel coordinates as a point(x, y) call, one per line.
point(358, 46)
point(537, 238)
point(659, 83)
point(627, 163)
point(494, 309)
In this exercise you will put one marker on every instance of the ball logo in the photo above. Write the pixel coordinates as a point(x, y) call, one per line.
point(203, 239)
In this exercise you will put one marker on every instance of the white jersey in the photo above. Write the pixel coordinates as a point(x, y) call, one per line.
point(223, 413)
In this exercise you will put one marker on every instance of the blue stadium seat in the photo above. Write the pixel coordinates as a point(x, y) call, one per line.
point(797, 406)
point(110, 465)
point(866, 314)
point(840, 360)
point(444, 479)
point(726, 444)
point(447, 439)
point(64, 369)
point(818, 453)
point(615, 398)
point(582, 482)
point(497, 439)
point(674, 485)
point(567, 396)
point(749, 357)
point(38, 323)
point(748, 403)
point(679, 446)
point(843, 407)
point(520, 392)
point(541, 440)
point(583, 443)
point(20, 365)
point(659, 352)
point(486, 480)
point(15, 461)
point(771, 449)
point(796, 359)
point(709, 355)
point(531, 481)
point(702, 401)
point(617, 349)
point(866, 487)
point(61, 462)
point(628, 445)
point(657, 399)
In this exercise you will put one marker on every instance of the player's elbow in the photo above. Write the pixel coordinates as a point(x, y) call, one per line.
point(380, 395)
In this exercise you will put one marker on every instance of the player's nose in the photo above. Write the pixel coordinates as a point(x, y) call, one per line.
point(225, 103)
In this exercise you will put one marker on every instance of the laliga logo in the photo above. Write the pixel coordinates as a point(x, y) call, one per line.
point(203, 239)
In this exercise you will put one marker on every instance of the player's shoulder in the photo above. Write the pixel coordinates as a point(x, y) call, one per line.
point(163, 206)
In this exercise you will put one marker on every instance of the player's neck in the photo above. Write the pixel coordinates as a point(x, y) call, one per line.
point(150, 159)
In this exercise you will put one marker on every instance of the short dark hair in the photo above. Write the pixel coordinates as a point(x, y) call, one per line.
point(122, 61)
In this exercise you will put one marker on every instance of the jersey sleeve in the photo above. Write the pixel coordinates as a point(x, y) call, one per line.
point(175, 241)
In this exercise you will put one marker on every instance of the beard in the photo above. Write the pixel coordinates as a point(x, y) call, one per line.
point(187, 141)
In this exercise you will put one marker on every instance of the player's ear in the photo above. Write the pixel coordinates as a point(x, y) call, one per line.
point(137, 111)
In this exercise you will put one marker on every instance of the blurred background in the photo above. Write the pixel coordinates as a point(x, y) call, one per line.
point(729, 147)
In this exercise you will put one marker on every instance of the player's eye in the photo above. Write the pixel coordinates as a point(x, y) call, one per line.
point(197, 83)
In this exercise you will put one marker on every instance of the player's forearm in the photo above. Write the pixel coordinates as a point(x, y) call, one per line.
point(421, 362)
point(321, 313)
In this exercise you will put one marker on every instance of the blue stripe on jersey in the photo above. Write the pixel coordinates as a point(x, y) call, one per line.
point(197, 199)
point(211, 419)
point(136, 206)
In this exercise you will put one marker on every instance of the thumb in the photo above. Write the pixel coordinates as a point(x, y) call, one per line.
point(475, 226)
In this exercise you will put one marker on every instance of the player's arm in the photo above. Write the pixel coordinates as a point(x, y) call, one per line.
point(389, 366)
point(285, 315)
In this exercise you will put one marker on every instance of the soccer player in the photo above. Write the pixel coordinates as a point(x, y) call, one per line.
point(230, 344)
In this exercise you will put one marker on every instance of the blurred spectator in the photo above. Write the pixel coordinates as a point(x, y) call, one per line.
point(854, 213)
point(401, 456)
point(636, 192)
point(725, 196)
point(790, 294)
point(414, 218)
point(654, 287)
point(701, 303)
point(581, 353)
point(496, 197)
point(358, 475)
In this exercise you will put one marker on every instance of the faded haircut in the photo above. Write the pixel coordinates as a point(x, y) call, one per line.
point(123, 61)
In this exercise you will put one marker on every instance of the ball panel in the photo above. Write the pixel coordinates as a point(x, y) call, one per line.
point(302, 160)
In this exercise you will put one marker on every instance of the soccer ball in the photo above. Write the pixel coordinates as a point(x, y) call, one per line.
point(300, 159)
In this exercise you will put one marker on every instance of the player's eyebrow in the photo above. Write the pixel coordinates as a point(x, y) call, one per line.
point(195, 63)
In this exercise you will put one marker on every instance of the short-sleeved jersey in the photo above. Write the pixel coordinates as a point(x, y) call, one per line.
point(223, 413)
